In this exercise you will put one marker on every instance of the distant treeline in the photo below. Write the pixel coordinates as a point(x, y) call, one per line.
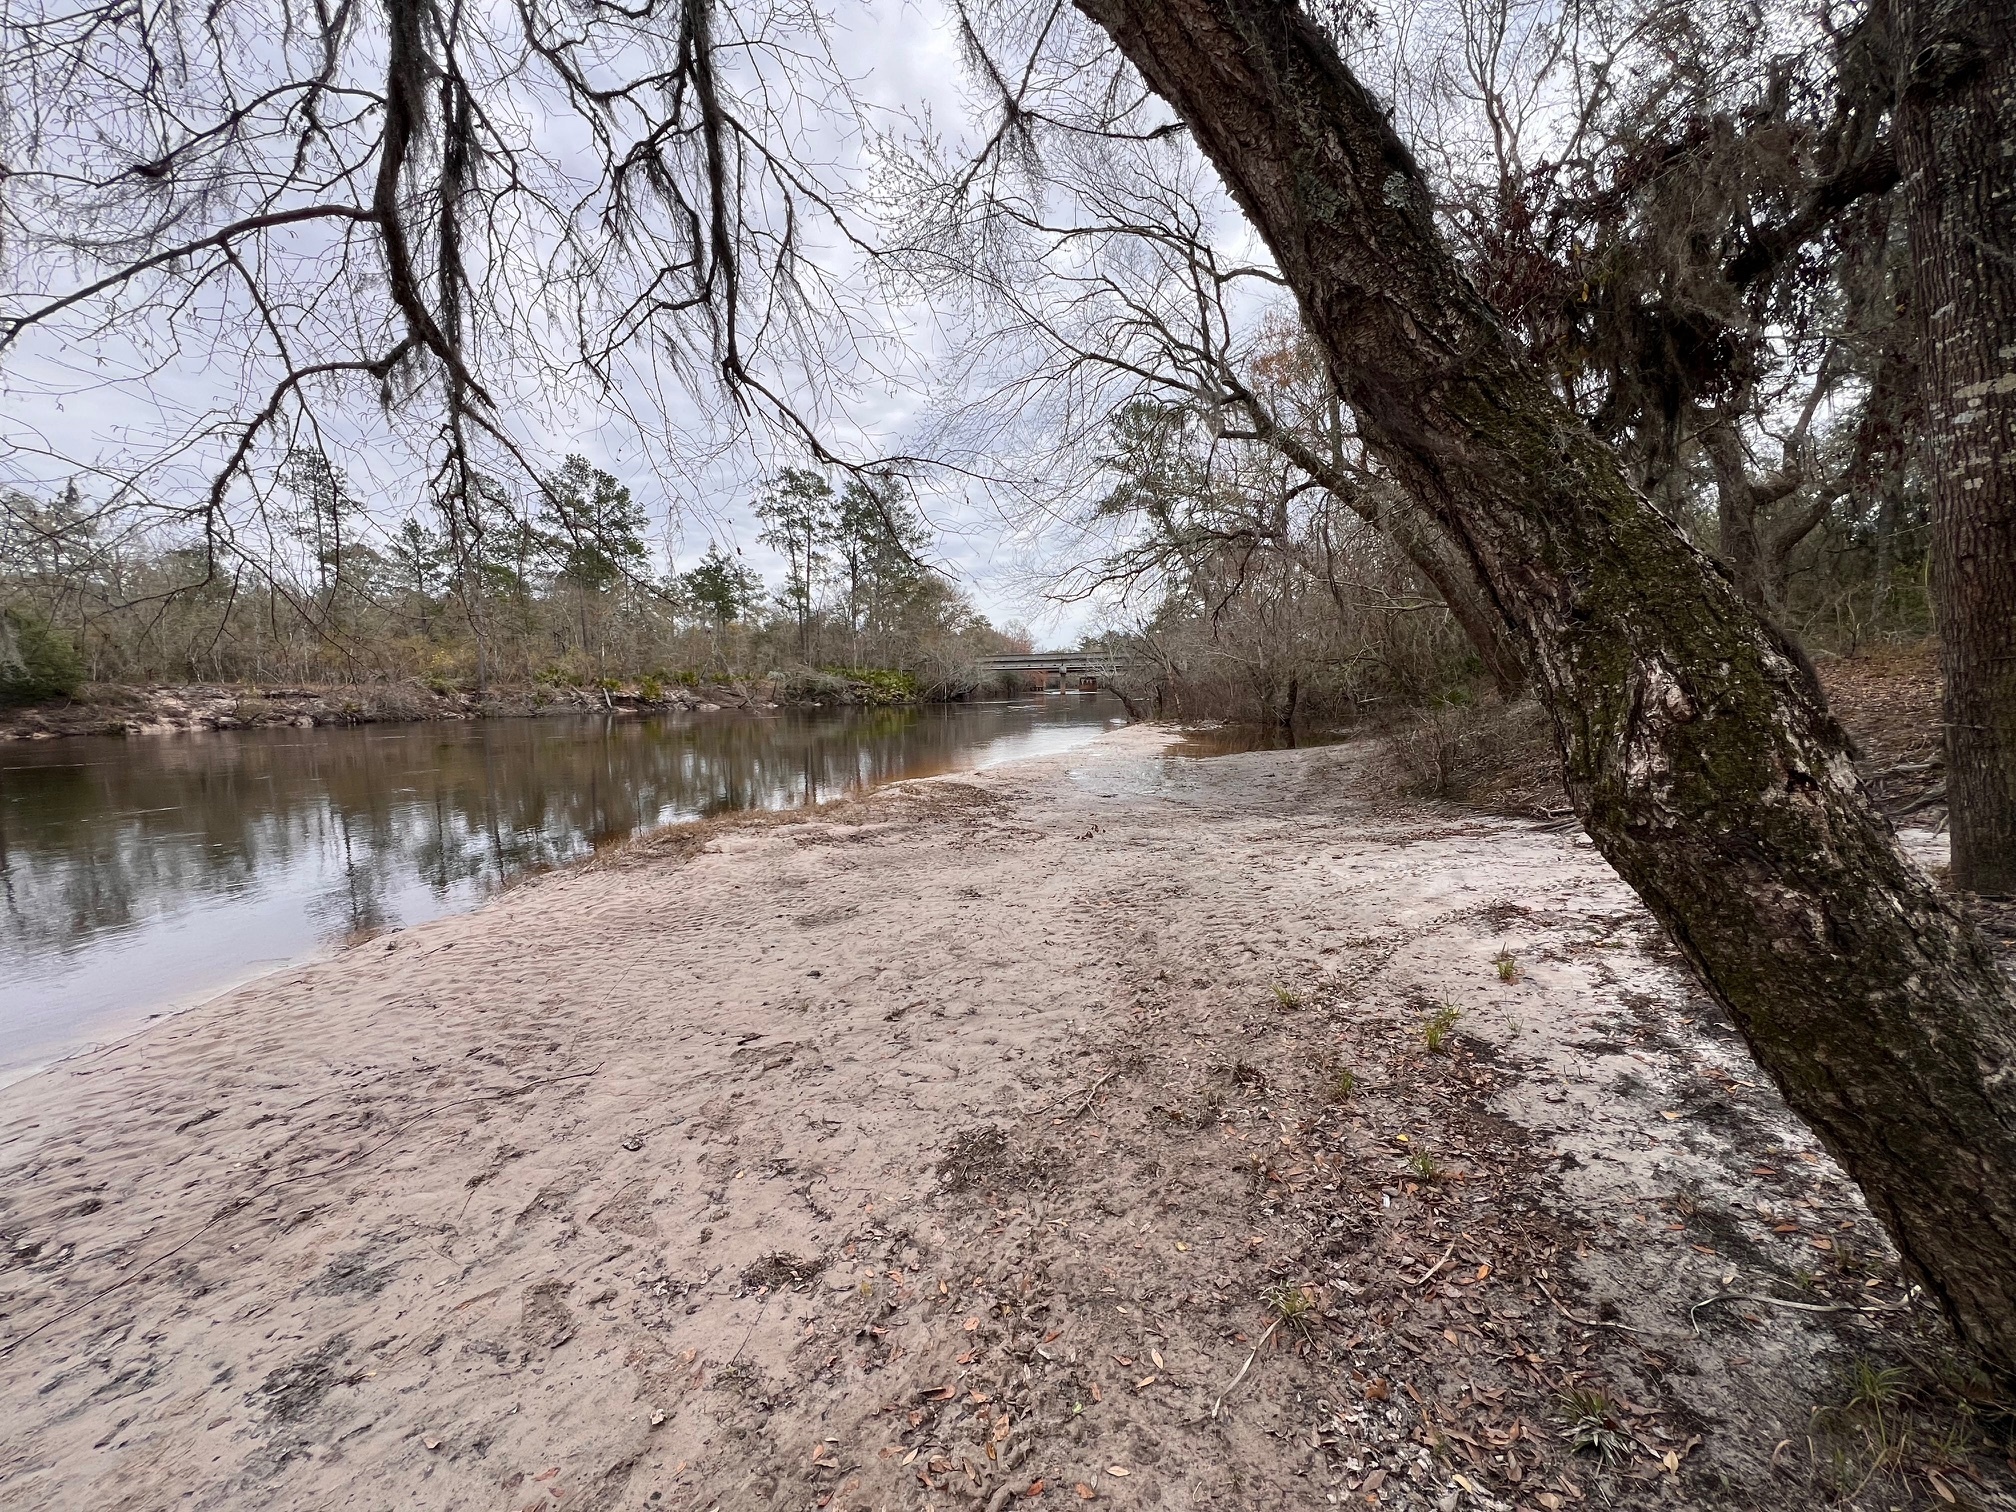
point(557, 587)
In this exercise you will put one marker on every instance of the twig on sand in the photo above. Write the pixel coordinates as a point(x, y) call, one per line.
point(1585, 1322)
point(1812, 1307)
point(238, 1204)
point(1067, 1096)
point(1423, 1277)
point(1091, 1096)
point(1246, 1367)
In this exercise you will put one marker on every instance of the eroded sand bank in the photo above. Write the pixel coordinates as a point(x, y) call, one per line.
point(960, 1144)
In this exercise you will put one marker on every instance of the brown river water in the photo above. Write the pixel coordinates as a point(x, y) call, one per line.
point(142, 874)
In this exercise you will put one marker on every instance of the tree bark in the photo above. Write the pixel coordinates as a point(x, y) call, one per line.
point(1701, 762)
point(1956, 129)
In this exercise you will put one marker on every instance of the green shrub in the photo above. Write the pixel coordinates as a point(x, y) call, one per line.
point(879, 685)
point(804, 685)
point(37, 661)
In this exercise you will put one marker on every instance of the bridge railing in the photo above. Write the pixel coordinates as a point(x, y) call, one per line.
point(1039, 661)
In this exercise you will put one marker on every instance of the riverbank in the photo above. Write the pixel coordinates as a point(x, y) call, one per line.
point(1116, 1128)
point(107, 709)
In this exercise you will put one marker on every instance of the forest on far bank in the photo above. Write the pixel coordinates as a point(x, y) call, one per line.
point(556, 584)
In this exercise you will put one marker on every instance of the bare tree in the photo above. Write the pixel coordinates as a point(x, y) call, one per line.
point(1666, 201)
point(430, 221)
point(1109, 294)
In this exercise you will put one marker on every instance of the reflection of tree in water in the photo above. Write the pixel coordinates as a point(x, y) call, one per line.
point(106, 835)
point(355, 902)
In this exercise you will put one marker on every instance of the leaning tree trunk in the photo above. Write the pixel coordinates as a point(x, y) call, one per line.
point(1956, 131)
point(1701, 762)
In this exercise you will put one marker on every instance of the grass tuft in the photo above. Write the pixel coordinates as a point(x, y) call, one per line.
point(1438, 1026)
point(1592, 1424)
point(1294, 1308)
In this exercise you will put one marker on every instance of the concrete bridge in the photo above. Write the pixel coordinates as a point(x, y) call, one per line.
point(1087, 666)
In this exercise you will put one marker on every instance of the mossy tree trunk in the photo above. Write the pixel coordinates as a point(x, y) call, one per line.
point(1956, 130)
point(1701, 761)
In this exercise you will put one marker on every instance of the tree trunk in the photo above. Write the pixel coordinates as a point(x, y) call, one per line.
point(1737, 506)
point(1890, 416)
point(1956, 129)
point(1699, 759)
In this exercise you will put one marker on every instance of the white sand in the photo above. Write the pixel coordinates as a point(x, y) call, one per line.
point(462, 1217)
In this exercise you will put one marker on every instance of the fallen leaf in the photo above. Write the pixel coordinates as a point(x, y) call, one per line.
point(432, 1443)
point(971, 1324)
point(1372, 1482)
point(1053, 1336)
point(1118, 1470)
point(943, 1393)
point(1085, 1492)
point(1144, 1381)
point(1156, 1356)
point(1938, 1484)
point(1668, 1116)
point(1378, 1391)
point(1181, 1247)
point(968, 1358)
point(911, 1457)
point(1822, 1244)
point(1035, 1488)
point(1095, 1391)
point(1484, 1271)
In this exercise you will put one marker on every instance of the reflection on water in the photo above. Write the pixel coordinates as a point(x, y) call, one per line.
point(1230, 739)
point(134, 873)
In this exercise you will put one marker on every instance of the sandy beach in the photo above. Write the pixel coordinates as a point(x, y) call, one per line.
point(1120, 1128)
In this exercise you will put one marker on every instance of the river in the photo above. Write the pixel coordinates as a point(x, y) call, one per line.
point(140, 875)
